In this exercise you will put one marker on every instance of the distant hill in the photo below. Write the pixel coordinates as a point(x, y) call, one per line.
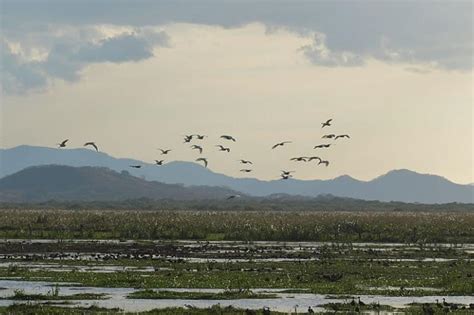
point(397, 185)
point(56, 182)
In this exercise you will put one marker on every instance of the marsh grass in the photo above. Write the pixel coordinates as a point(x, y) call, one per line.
point(340, 226)
point(22, 296)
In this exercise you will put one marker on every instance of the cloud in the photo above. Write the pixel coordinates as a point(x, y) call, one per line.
point(344, 33)
point(18, 76)
point(68, 56)
point(318, 53)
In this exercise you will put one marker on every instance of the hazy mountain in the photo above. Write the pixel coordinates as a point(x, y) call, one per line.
point(398, 185)
point(46, 182)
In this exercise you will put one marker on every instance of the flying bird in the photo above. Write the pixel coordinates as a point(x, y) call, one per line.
point(204, 160)
point(329, 136)
point(322, 146)
point(200, 137)
point(327, 123)
point(92, 144)
point(245, 162)
point(287, 173)
point(188, 139)
point(165, 151)
point(233, 197)
point(299, 159)
point(63, 144)
point(314, 158)
point(246, 170)
point(222, 148)
point(136, 166)
point(197, 147)
point(159, 162)
point(228, 137)
point(342, 136)
point(280, 144)
point(326, 163)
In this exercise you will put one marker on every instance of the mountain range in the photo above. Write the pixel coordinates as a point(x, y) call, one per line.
point(86, 183)
point(397, 185)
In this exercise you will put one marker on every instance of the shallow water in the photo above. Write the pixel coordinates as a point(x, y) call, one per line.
point(284, 301)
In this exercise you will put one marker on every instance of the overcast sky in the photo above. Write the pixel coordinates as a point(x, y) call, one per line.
point(137, 75)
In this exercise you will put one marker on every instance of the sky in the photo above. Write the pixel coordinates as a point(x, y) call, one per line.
point(134, 76)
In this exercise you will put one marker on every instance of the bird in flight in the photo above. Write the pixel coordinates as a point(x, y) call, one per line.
point(287, 173)
point(299, 159)
point(326, 163)
point(200, 137)
point(322, 146)
point(280, 144)
point(246, 170)
point(342, 136)
point(233, 197)
point(197, 147)
point(245, 162)
point(327, 123)
point(92, 144)
point(204, 160)
point(314, 158)
point(135, 166)
point(228, 137)
point(159, 162)
point(329, 136)
point(188, 139)
point(165, 151)
point(63, 144)
point(222, 148)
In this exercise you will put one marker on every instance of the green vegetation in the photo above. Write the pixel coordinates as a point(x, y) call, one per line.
point(329, 276)
point(47, 309)
point(22, 296)
point(341, 266)
point(214, 310)
point(412, 227)
point(225, 295)
point(348, 307)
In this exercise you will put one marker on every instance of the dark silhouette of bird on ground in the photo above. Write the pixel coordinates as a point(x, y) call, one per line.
point(245, 162)
point(227, 137)
point(342, 136)
point(327, 123)
point(165, 151)
point(321, 146)
point(204, 160)
point(286, 173)
point(197, 147)
point(233, 197)
point(246, 170)
point(159, 162)
point(63, 143)
point(92, 144)
point(280, 144)
point(283, 176)
point(222, 148)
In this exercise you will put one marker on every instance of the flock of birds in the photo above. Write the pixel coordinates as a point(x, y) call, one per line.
point(246, 163)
